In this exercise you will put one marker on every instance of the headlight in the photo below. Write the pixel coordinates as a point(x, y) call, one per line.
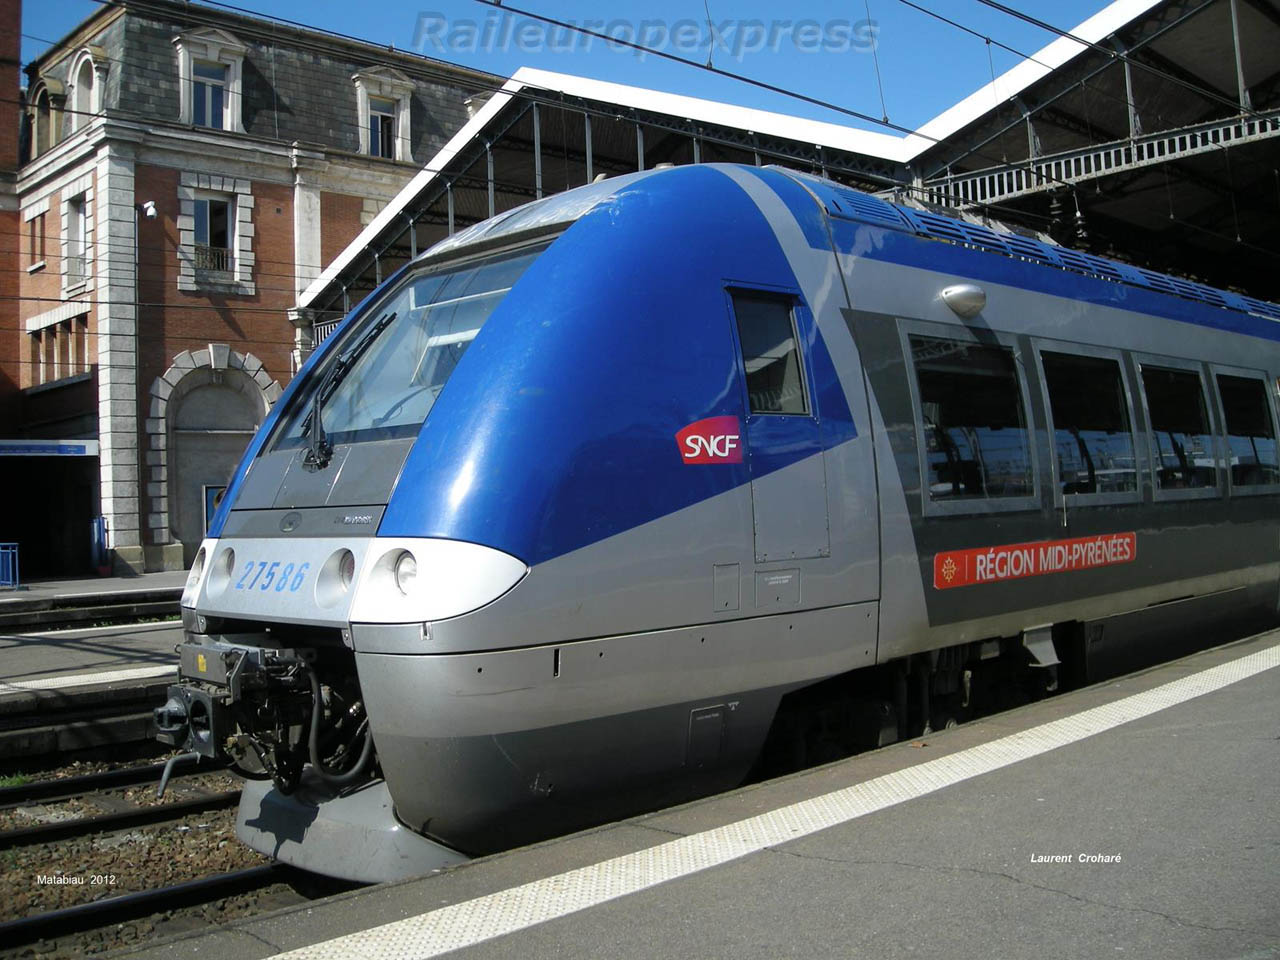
point(220, 570)
point(347, 568)
point(406, 572)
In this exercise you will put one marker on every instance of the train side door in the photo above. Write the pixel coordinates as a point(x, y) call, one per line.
point(783, 435)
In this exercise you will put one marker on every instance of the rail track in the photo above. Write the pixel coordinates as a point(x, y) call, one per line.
point(119, 824)
point(100, 788)
point(131, 906)
point(20, 613)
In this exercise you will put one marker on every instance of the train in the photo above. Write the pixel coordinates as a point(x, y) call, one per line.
point(689, 475)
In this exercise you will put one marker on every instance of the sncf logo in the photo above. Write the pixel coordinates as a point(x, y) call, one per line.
point(713, 440)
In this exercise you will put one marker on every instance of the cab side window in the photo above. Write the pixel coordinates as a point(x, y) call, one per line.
point(1251, 436)
point(770, 355)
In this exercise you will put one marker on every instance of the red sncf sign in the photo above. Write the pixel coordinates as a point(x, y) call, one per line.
point(713, 440)
point(1013, 561)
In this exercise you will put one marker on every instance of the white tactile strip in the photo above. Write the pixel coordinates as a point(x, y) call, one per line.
point(85, 679)
point(465, 924)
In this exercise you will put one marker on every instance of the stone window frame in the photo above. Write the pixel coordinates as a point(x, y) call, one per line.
point(211, 46)
point(240, 194)
point(388, 84)
point(55, 96)
point(35, 224)
point(189, 370)
point(65, 325)
point(82, 114)
point(81, 189)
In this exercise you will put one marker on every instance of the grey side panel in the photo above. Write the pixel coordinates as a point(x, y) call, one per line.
point(790, 509)
point(487, 750)
point(777, 589)
point(477, 694)
point(655, 576)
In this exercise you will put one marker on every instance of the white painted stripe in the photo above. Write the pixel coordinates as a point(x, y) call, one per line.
point(129, 628)
point(85, 679)
point(465, 924)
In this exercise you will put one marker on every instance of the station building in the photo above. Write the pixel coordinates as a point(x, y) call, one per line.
point(177, 176)
point(1148, 134)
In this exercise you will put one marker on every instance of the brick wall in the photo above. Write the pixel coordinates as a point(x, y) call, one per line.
point(174, 320)
point(341, 219)
point(10, 335)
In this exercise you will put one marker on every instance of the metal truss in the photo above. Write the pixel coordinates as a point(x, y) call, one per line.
point(1041, 174)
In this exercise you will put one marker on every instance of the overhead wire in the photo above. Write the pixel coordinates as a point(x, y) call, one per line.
point(1118, 55)
point(561, 104)
point(497, 4)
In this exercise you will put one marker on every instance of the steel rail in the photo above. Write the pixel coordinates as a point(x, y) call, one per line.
point(103, 823)
point(70, 787)
point(129, 906)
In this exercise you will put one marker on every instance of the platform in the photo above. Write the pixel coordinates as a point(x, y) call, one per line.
point(35, 658)
point(976, 842)
point(88, 655)
point(90, 586)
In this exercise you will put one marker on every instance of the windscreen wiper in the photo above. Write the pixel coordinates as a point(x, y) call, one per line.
point(319, 449)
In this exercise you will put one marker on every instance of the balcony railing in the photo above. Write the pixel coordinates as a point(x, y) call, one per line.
point(214, 259)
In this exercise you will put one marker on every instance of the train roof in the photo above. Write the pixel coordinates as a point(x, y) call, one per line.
point(849, 204)
point(846, 203)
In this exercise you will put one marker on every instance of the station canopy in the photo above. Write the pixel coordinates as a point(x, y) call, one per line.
point(1150, 133)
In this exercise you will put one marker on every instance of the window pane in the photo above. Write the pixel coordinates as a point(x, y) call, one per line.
point(199, 104)
point(975, 429)
point(75, 239)
point(202, 221)
point(387, 137)
point(210, 71)
point(1180, 426)
point(393, 384)
point(216, 95)
point(219, 234)
point(1251, 436)
point(1091, 436)
point(769, 354)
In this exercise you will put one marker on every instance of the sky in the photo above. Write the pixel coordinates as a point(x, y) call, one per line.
point(877, 57)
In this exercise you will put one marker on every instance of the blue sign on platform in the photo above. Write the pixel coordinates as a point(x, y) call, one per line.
point(48, 448)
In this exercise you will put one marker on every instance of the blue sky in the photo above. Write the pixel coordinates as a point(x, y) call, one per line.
point(925, 65)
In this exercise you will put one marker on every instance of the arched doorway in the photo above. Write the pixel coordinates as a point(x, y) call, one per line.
point(212, 417)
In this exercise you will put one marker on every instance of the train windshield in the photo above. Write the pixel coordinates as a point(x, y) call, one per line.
point(382, 380)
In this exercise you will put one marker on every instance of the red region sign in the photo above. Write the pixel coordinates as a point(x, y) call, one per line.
point(964, 568)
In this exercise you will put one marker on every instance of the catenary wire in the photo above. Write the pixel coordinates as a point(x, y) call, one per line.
point(926, 192)
point(1118, 55)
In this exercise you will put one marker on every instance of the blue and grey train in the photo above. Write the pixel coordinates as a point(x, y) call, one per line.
point(611, 499)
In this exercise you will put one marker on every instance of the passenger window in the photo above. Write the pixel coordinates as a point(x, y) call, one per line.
point(975, 428)
point(767, 333)
point(1180, 427)
point(1251, 436)
point(1092, 440)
